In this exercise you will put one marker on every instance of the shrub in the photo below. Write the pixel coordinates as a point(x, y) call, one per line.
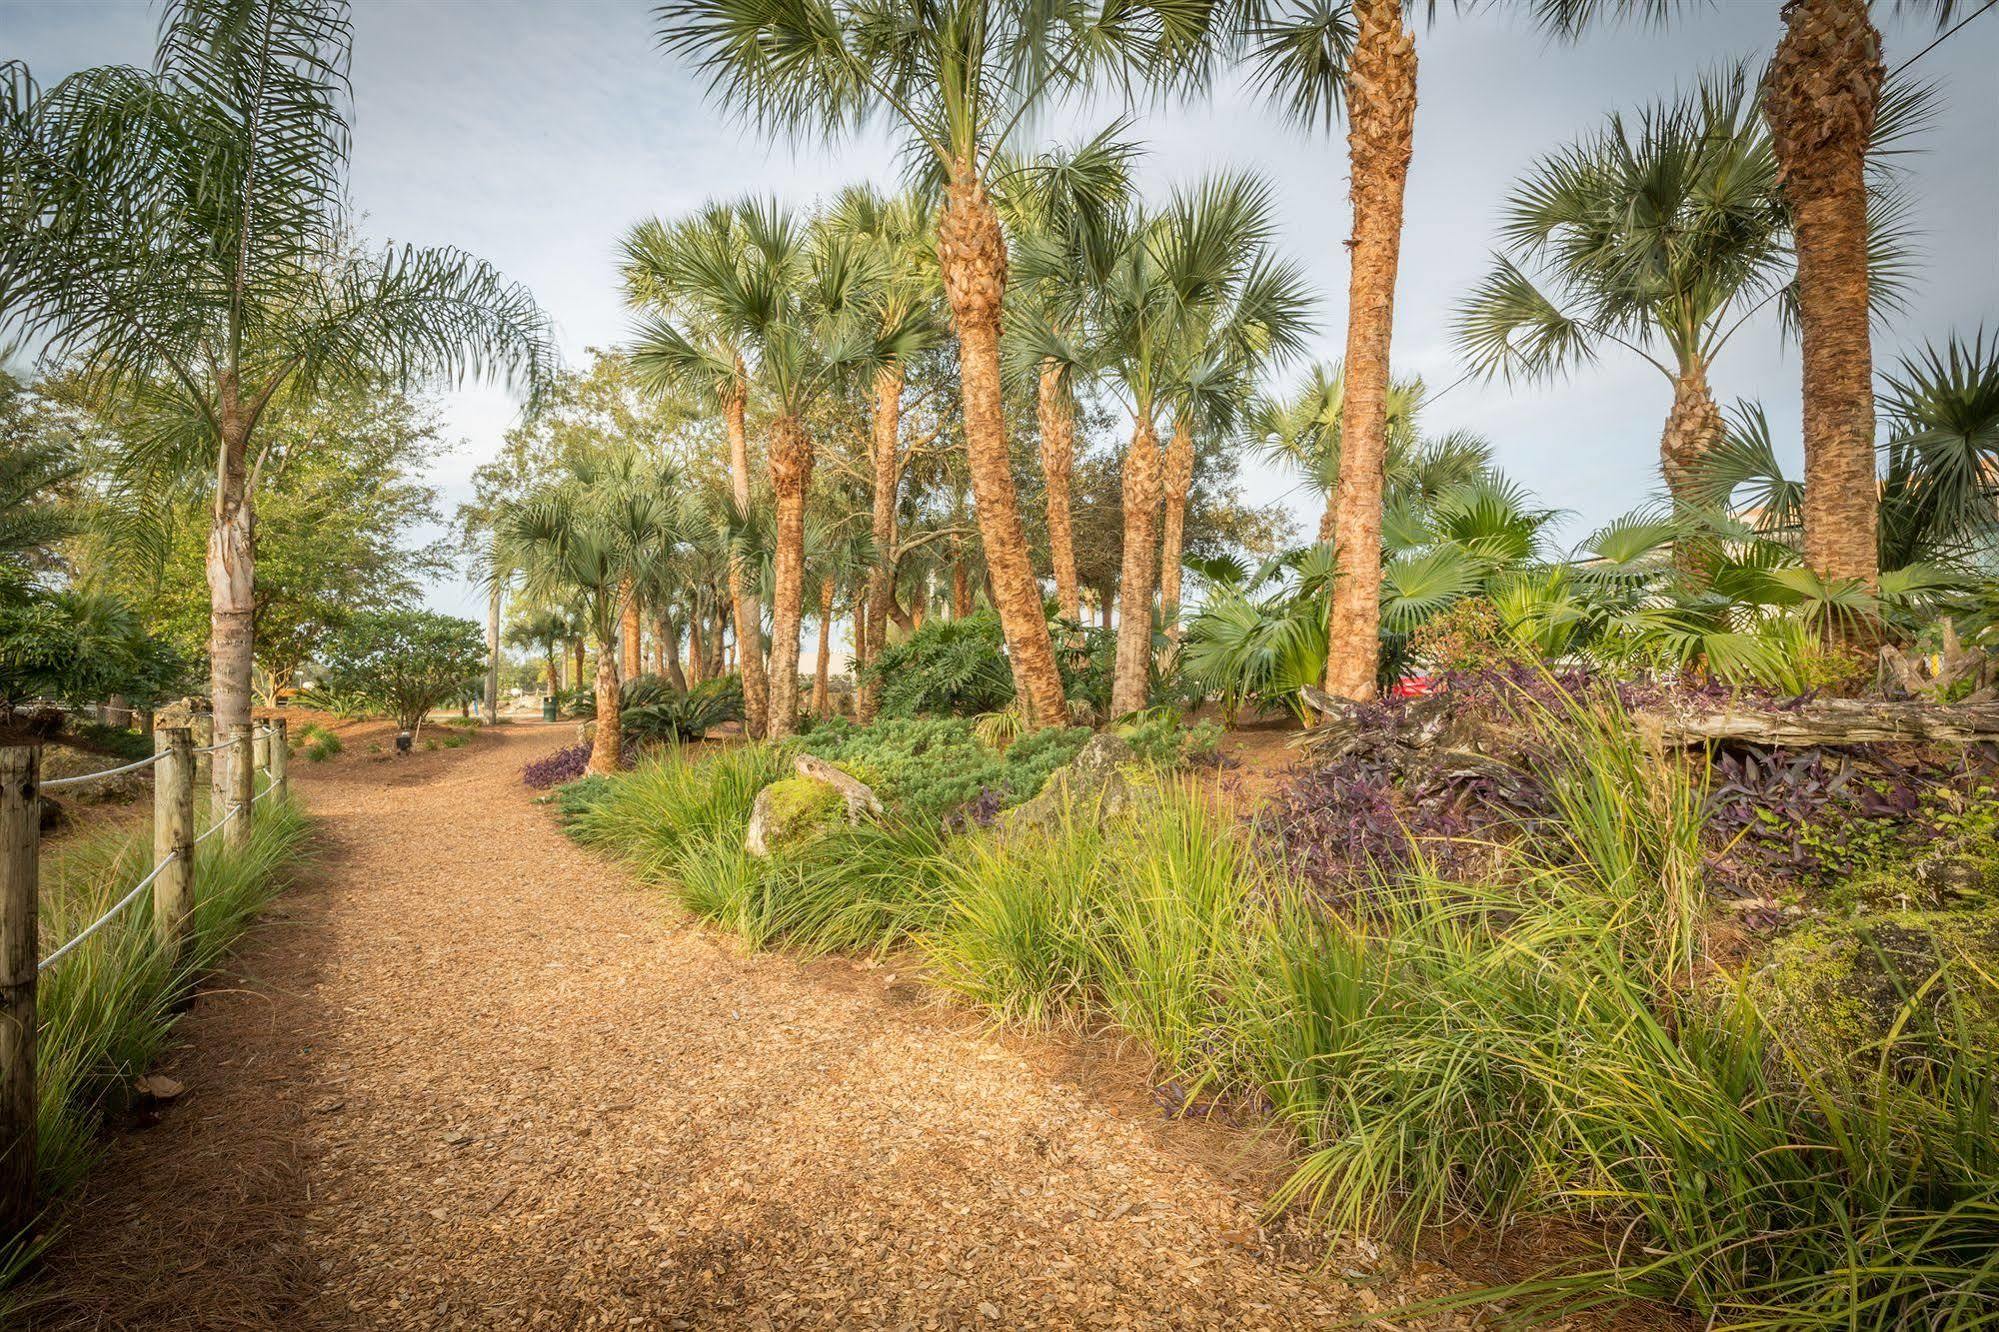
point(316, 742)
point(403, 663)
point(951, 667)
point(564, 765)
point(929, 769)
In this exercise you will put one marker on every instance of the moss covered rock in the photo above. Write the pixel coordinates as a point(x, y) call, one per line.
point(1835, 989)
point(791, 811)
point(1097, 783)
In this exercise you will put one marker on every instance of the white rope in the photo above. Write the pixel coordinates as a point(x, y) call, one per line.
point(217, 747)
point(105, 919)
point(108, 772)
point(219, 824)
point(261, 794)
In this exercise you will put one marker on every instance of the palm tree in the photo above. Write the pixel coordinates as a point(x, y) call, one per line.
point(1056, 209)
point(802, 305)
point(667, 271)
point(591, 536)
point(897, 234)
point(958, 78)
point(1663, 238)
point(1179, 303)
point(543, 630)
point(182, 232)
point(1317, 59)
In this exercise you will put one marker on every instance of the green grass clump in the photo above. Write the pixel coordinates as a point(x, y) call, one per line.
point(108, 1007)
point(648, 815)
point(316, 742)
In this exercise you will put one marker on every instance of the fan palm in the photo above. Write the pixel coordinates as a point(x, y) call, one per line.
point(591, 536)
point(182, 231)
point(544, 630)
point(896, 232)
point(957, 78)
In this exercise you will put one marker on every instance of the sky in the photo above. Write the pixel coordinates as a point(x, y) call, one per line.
point(534, 132)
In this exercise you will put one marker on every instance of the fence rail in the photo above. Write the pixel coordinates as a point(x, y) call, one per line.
point(180, 768)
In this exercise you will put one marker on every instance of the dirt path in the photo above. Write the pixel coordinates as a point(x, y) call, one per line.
point(468, 1077)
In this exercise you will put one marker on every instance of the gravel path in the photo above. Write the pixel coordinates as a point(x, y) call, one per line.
point(468, 1077)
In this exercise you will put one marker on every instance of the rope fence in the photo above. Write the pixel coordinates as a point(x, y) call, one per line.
point(179, 767)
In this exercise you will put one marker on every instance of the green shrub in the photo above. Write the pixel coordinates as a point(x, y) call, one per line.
point(316, 742)
point(953, 667)
point(927, 769)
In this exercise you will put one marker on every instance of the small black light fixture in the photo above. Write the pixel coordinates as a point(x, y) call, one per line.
point(403, 742)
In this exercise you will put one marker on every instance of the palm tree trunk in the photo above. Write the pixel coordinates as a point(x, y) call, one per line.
point(1381, 114)
point(231, 567)
point(1057, 419)
point(857, 658)
point(554, 670)
point(630, 661)
point(743, 600)
point(822, 685)
point(606, 743)
point(961, 589)
point(718, 634)
point(1173, 534)
point(1138, 577)
point(881, 577)
point(697, 656)
point(972, 253)
point(669, 649)
point(576, 676)
point(492, 696)
point(790, 474)
point(1693, 428)
point(1824, 89)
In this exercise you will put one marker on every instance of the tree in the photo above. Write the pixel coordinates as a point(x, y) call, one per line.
point(404, 663)
point(182, 231)
point(957, 78)
point(542, 630)
point(590, 536)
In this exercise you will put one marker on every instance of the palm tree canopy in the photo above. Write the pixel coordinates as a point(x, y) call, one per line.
point(184, 225)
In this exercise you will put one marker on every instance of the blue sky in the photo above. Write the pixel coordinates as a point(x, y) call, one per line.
point(533, 134)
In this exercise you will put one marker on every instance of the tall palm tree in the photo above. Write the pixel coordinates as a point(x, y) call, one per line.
point(958, 78)
point(182, 231)
point(591, 536)
point(802, 304)
point(544, 630)
point(1179, 300)
point(1316, 60)
point(1056, 209)
point(667, 272)
point(897, 232)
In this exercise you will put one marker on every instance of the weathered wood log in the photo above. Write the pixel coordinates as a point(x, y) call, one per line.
point(1830, 722)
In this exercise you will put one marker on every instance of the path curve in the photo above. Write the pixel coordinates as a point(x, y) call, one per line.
point(468, 1077)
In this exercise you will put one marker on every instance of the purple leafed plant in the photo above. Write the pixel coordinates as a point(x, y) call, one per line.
point(564, 765)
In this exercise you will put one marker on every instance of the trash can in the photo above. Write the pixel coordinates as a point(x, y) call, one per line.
point(548, 709)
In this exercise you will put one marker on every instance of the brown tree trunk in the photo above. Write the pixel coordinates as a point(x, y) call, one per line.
point(881, 577)
point(492, 696)
point(631, 664)
point(718, 633)
point(822, 681)
point(972, 253)
point(576, 676)
point(1056, 412)
point(1823, 90)
point(1173, 533)
point(1104, 608)
point(790, 474)
point(1138, 577)
point(1381, 113)
point(857, 657)
point(231, 569)
point(1693, 428)
point(961, 589)
point(554, 671)
point(606, 743)
point(742, 598)
point(669, 650)
point(697, 656)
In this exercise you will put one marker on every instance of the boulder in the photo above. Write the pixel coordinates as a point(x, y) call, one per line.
point(1097, 783)
point(1835, 989)
point(795, 810)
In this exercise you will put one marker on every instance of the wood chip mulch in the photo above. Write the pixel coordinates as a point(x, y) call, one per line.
point(468, 1077)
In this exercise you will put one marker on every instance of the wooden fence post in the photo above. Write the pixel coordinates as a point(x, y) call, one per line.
point(242, 785)
point(281, 752)
point(173, 835)
point(260, 746)
point(20, 958)
point(204, 764)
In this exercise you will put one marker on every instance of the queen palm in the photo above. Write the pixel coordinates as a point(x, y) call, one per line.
point(957, 78)
point(591, 536)
point(182, 232)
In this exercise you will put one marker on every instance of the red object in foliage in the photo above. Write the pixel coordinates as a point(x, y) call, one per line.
point(1414, 686)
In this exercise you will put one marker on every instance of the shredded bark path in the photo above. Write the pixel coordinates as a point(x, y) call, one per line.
point(468, 1077)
